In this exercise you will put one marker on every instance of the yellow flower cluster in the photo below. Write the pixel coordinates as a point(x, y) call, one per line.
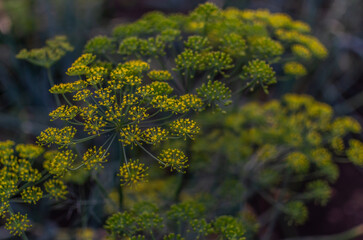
point(298, 162)
point(29, 151)
point(132, 172)
point(26, 172)
point(56, 189)
point(175, 159)
point(343, 125)
point(355, 152)
point(63, 88)
point(32, 194)
point(295, 69)
point(61, 162)
point(130, 134)
point(185, 127)
point(155, 135)
point(62, 137)
point(159, 75)
point(82, 95)
point(93, 158)
point(301, 52)
point(321, 157)
point(96, 75)
point(137, 114)
point(64, 112)
point(17, 224)
point(114, 112)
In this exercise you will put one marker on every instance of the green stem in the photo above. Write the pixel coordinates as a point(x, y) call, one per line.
point(65, 98)
point(151, 155)
point(159, 119)
point(23, 236)
point(152, 235)
point(51, 82)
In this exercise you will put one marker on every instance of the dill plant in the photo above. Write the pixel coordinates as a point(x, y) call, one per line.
point(285, 152)
point(142, 87)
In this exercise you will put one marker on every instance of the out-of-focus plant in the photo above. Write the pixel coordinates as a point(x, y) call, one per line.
point(185, 220)
point(285, 152)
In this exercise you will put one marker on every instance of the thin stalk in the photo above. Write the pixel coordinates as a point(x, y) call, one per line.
point(151, 155)
point(159, 119)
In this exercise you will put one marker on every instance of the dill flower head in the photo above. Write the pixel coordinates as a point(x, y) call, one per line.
point(321, 156)
point(4, 207)
point(32, 194)
point(175, 159)
point(184, 127)
point(61, 137)
point(155, 135)
point(294, 69)
point(159, 75)
point(201, 227)
point(301, 52)
point(130, 134)
point(343, 125)
point(29, 151)
point(264, 48)
point(319, 191)
point(132, 172)
point(258, 72)
point(296, 212)
point(185, 211)
point(99, 45)
point(229, 227)
point(355, 152)
point(17, 224)
point(215, 94)
point(197, 43)
point(56, 189)
point(61, 162)
point(46, 56)
point(93, 158)
point(173, 236)
point(64, 112)
point(234, 45)
point(121, 224)
point(298, 162)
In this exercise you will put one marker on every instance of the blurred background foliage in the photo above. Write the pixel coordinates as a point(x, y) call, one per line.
point(25, 100)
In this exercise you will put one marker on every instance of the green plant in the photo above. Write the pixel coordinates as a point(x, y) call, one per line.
point(144, 88)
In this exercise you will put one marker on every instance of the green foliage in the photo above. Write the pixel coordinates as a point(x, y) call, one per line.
point(186, 217)
point(46, 56)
